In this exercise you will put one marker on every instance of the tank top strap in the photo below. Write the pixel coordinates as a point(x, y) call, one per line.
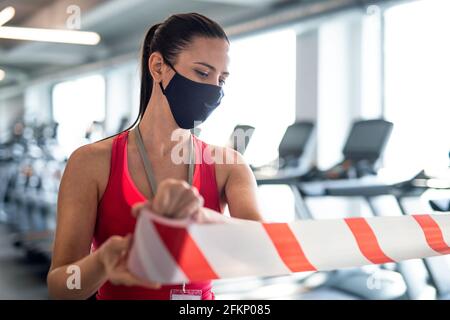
point(117, 154)
point(207, 175)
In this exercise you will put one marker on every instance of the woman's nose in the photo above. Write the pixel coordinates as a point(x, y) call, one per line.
point(216, 81)
point(212, 81)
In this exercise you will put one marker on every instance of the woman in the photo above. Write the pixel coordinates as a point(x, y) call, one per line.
point(184, 66)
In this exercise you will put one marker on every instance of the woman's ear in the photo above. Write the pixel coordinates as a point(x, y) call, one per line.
point(155, 65)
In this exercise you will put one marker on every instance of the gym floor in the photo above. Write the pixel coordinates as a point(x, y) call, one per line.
point(19, 279)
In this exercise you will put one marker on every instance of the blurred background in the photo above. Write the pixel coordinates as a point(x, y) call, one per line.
point(324, 65)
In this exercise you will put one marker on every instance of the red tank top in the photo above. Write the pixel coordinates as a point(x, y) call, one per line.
point(114, 214)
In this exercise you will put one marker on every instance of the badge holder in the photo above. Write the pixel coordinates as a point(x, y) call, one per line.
point(183, 294)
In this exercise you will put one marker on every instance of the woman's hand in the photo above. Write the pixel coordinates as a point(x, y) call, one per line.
point(113, 256)
point(174, 199)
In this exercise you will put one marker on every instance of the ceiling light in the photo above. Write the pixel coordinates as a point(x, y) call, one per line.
point(6, 15)
point(2, 74)
point(50, 35)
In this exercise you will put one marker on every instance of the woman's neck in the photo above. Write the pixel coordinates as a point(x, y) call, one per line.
point(158, 129)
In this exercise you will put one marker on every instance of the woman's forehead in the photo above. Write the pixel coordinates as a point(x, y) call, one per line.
point(212, 51)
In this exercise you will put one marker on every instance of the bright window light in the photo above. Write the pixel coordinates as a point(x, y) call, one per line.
point(417, 84)
point(259, 92)
point(76, 104)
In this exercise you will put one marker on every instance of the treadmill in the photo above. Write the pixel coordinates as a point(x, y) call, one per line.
point(358, 178)
point(362, 150)
point(437, 267)
point(295, 157)
point(240, 137)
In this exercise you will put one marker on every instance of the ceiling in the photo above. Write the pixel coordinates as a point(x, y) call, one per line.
point(121, 25)
point(24, 8)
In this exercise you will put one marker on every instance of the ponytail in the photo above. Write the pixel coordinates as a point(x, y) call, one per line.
point(146, 77)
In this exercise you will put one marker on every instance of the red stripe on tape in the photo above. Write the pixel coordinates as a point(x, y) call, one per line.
point(433, 233)
point(185, 252)
point(288, 247)
point(367, 241)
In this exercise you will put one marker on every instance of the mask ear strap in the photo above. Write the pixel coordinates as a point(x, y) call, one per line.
point(171, 66)
point(162, 89)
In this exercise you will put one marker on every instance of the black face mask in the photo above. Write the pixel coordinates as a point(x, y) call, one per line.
point(191, 102)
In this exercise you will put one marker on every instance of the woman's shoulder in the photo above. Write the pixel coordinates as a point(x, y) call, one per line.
point(91, 163)
point(224, 158)
point(92, 152)
point(93, 159)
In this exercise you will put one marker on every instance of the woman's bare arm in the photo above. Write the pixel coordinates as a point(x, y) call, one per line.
point(240, 187)
point(76, 217)
point(81, 188)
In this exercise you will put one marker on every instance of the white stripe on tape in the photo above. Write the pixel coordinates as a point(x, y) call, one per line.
point(144, 252)
point(314, 234)
point(229, 257)
point(401, 238)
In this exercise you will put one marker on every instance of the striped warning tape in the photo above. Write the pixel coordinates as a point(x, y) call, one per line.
point(173, 251)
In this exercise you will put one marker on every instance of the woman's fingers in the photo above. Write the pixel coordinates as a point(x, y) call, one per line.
point(183, 197)
point(192, 204)
point(176, 191)
point(117, 245)
point(162, 200)
point(137, 208)
point(174, 199)
point(113, 251)
point(168, 196)
point(113, 256)
point(124, 278)
point(175, 194)
point(187, 198)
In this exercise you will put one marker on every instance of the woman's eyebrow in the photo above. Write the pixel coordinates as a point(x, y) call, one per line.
point(211, 67)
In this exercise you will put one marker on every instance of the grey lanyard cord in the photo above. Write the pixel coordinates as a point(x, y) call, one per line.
point(147, 166)
point(149, 172)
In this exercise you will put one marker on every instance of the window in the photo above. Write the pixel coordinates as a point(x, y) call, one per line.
point(259, 92)
point(76, 105)
point(417, 78)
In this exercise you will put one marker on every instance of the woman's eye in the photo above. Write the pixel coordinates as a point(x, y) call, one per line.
point(205, 75)
point(202, 74)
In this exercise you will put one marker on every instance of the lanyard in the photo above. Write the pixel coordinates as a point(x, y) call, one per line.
point(149, 172)
point(146, 161)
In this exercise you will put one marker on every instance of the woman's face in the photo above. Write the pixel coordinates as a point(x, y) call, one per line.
point(205, 60)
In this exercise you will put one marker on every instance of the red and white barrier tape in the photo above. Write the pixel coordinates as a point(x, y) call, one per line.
point(171, 251)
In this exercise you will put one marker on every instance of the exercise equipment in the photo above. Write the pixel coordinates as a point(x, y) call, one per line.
point(295, 153)
point(362, 150)
point(31, 173)
point(240, 137)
